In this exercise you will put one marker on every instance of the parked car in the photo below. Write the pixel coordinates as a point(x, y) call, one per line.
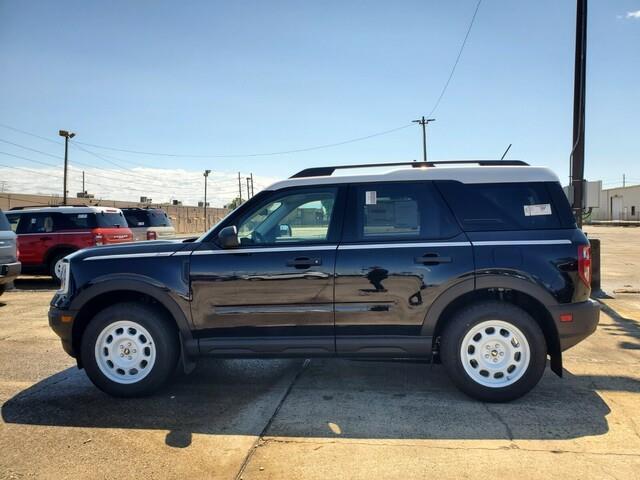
point(46, 235)
point(480, 267)
point(149, 223)
point(9, 264)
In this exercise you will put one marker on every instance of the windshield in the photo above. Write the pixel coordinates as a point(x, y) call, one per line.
point(109, 219)
point(4, 223)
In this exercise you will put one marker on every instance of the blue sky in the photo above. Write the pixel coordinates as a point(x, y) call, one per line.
point(210, 77)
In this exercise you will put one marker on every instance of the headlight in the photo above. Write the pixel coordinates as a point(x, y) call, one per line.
point(65, 272)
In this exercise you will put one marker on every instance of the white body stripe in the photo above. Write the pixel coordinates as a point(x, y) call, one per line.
point(130, 255)
point(368, 246)
point(487, 243)
point(403, 245)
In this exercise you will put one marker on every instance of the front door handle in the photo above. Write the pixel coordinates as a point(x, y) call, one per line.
point(304, 262)
point(432, 259)
point(45, 238)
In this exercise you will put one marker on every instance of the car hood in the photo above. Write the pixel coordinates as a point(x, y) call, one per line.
point(156, 246)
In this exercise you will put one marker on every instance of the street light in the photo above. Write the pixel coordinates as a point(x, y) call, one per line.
point(67, 135)
point(206, 222)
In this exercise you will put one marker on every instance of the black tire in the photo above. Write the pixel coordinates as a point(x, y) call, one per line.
point(2, 289)
point(164, 336)
point(52, 264)
point(464, 321)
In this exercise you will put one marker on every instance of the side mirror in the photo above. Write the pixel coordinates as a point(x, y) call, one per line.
point(284, 230)
point(228, 237)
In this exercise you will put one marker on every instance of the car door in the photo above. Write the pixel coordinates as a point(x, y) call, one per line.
point(401, 249)
point(273, 293)
point(36, 235)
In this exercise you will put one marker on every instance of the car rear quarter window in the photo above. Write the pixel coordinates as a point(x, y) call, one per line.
point(506, 206)
point(398, 211)
point(4, 223)
point(76, 221)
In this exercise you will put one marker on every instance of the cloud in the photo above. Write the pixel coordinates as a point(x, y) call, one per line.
point(635, 14)
point(162, 185)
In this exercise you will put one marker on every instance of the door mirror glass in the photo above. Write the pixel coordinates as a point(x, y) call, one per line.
point(228, 237)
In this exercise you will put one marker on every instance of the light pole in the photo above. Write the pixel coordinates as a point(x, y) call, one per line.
point(206, 175)
point(67, 135)
point(424, 122)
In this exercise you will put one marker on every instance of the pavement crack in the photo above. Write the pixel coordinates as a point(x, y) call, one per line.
point(267, 426)
point(498, 417)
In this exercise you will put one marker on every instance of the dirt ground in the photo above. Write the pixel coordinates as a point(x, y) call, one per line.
point(325, 418)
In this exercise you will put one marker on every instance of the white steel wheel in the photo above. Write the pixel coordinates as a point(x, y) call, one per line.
point(495, 353)
point(125, 352)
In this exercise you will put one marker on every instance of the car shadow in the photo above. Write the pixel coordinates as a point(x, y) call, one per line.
point(33, 282)
point(627, 327)
point(321, 398)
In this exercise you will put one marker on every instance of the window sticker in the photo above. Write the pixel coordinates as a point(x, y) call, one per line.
point(82, 215)
point(371, 197)
point(535, 210)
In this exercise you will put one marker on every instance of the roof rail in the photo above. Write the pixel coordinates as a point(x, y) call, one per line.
point(327, 171)
point(25, 207)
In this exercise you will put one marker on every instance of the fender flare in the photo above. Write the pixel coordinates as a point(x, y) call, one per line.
point(511, 281)
point(140, 284)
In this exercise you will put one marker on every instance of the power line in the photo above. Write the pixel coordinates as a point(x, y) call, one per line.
point(455, 64)
point(290, 151)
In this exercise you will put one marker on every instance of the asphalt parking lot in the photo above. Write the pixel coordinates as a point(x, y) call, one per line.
point(325, 418)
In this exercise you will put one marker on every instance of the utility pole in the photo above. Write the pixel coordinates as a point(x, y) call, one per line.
point(248, 188)
point(624, 180)
point(239, 189)
point(252, 184)
point(424, 122)
point(83, 190)
point(67, 135)
point(579, 90)
point(206, 223)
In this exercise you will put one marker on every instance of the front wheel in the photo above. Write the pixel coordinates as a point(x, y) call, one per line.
point(494, 351)
point(130, 349)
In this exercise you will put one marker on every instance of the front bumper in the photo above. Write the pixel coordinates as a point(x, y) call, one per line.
point(585, 317)
point(61, 322)
point(9, 272)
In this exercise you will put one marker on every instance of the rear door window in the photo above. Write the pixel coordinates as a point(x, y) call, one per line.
point(36, 223)
point(76, 221)
point(398, 211)
point(504, 206)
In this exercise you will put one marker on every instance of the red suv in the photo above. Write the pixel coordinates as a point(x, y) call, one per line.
point(46, 235)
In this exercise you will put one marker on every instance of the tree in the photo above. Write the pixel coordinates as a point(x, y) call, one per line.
point(235, 203)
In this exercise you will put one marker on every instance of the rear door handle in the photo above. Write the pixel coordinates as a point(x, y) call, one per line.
point(304, 262)
point(432, 259)
point(45, 238)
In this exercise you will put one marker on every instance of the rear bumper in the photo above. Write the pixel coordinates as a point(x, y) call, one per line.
point(61, 322)
point(9, 272)
point(585, 317)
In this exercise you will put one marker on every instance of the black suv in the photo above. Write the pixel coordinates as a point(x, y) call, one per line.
point(480, 267)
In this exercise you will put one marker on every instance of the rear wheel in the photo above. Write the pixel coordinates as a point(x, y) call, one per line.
point(130, 349)
point(494, 351)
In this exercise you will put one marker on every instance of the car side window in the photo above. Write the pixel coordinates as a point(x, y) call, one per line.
point(295, 217)
point(399, 211)
point(14, 219)
point(36, 223)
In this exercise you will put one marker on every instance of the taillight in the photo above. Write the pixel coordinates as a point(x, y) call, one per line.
point(98, 238)
point(151, 235)
point(584, 264)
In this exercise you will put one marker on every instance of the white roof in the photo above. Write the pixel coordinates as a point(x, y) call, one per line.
point(464, 174)
point(67, 209)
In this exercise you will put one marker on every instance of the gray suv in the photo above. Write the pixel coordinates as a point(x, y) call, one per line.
point(9, 264)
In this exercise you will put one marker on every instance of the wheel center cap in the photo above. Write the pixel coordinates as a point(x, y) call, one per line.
point(494, 353)
point(126, 351)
